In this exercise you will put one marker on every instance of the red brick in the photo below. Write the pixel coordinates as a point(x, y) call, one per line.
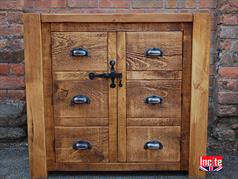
point(231, 72)
point(230, 19)
point(4, 68)
point(17, 69)
point(171, 4)
point(3, 94)
point(50, 4)
point(28, 3)
point(186, 4)
point(12, 82)
point(229, 6)
point(228, 97)
point(147, 4)
point(208, 3)
point(10, 30)
point(11, 4)
point(227, 84)
point(83, 3)
point(14, 17)
point(114, 3)
point(16, 94)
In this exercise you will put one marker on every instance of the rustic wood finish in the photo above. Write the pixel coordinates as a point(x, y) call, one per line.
point(117, 122)
point(169, 137)
point(35, 95)
point(199, 92)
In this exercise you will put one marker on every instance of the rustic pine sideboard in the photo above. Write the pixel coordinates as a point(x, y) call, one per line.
point(116, 92)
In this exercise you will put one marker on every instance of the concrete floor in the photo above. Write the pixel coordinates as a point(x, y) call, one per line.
point(14, 165)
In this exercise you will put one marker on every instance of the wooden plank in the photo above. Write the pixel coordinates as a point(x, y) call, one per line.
point(199, 92)
point(154, 75)
point(112, 55)
point(73, 166)
point(186, 93)
point(35, 95)
point(48, 91)
point(153, 121)
point(72, 75)
point(116, 27)
point(170, 44)
point(123, 18)
point(169, 90)
point(121, 57)
point(95, 43)
point(169, 137)
point(96, 90)
point(66, 137)
point(75, 121)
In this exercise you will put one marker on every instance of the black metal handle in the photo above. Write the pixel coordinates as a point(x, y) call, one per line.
point(153, 145)
point(79, 52)
point(113, 75)
point(153, 100)
point(80, 100)
point(153, 52)
point(82, 145)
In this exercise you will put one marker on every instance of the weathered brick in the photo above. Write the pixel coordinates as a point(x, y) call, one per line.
point(227, 110)
point(4, 68)
point(186, 4)
point(3, 94)
point(227, 84)
point(11, 4)
point(207, 3)
point(3, 43)
point(147, 4)
point(229, 32)
point(83, 3)
point(229, 19)
point(11, 56)
point(114, 4)
point(12, 82)
point(50, 4)
point(16, 69)
point(28, 3)
point(11, 29)
point(225, 44)
point(171, 4)
point(14, 17)
point(230, 6)
point(230, 72)
point(228, 97)
point(16, 94)
point(229, 59)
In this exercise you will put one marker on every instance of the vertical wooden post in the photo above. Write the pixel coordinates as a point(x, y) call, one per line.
point(199, 92)
point(34, 95)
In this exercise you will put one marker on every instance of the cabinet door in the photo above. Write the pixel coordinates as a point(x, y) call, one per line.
point(85, 113)
point(149, 102)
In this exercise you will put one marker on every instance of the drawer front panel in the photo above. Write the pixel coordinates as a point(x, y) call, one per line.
point(170, 43)
point(96, 91)
point(168, 90)
point(137, 137)
point(66, 137)
point(95, 43)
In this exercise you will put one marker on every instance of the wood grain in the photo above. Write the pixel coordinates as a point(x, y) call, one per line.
point(115, 27)
point(75, 121)
point(48, 92)
point(73, 75)
point(121, 56)
point(96, 90)
point(154, 75)
point(135, 17)
point(169, 137)
point(67, 136)
point(153, 121)
point(186, 94)
point(35, 96)
point(112, 55)
point(94, 42)
point(169, 42)
point(74, 166)
point(169, 90)
point(199, 92)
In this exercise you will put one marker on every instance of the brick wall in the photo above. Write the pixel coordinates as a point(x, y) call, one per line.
point(223, 72)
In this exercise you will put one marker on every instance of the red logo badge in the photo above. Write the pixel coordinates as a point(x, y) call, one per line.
point(210, 163)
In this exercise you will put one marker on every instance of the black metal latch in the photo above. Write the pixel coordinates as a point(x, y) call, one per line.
point(113, 75)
